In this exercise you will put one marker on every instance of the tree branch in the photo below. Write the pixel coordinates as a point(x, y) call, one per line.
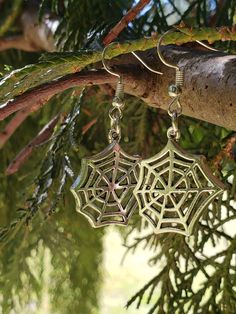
point(12, 126)
point(55, 65)
point(126, 19)
point(227, 151)
point(41, 95)
point(24, 154)
point(17, 42)
point(43, 136)
point(208, 92)
point(15, 122)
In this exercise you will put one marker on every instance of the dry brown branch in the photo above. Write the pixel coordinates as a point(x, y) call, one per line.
point(10, 128)
point(227, 152)
point(42, 136)
point(15, 122)
point(89, 125)
point(126, 19)
point(24, 154)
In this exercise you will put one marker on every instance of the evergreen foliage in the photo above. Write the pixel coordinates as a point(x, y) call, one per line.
point(36, 208)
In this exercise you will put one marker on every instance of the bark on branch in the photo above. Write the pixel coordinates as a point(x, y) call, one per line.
point(56, 65)
point(209, 92)
point(41, 95)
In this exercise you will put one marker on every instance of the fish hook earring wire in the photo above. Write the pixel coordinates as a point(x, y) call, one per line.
point(174, 186)
point(146, 66)
point(120, 85)
point(104, 188)
point(176, 89)
point(115, 112)
point(118, 75)
point(104, 64)
point(171, 65)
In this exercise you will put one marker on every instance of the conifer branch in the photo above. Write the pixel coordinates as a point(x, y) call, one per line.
point(148, 86)
point(55, 65)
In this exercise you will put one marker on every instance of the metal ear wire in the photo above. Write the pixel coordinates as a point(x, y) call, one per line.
point(159, 51)
point(115, 113)
point(175, 90)
point(206, 46)
point(118, 75)
point(119, 95)
point(104, 64)
point(148, 67)
point(161, 56)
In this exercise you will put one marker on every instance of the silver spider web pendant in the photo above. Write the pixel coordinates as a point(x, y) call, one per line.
point(174, 188)
point(104, 189)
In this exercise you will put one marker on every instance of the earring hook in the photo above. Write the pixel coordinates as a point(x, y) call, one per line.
point(118, 75)
point(175, 90)
point(148, 67)
point(115, 113)
point(105, 66)
point(171, 65)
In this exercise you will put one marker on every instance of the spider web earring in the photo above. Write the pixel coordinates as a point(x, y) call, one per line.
point(104, 188)
point(174, 186)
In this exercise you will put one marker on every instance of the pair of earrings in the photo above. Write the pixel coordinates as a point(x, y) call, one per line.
point(171, 188)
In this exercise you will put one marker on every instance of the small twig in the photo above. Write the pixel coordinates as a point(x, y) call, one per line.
point(24, 154)
point(87, 112)
point(89, 125)
point(10, 128)
point(227, 151)
point(15, 122)
point(126, 19)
